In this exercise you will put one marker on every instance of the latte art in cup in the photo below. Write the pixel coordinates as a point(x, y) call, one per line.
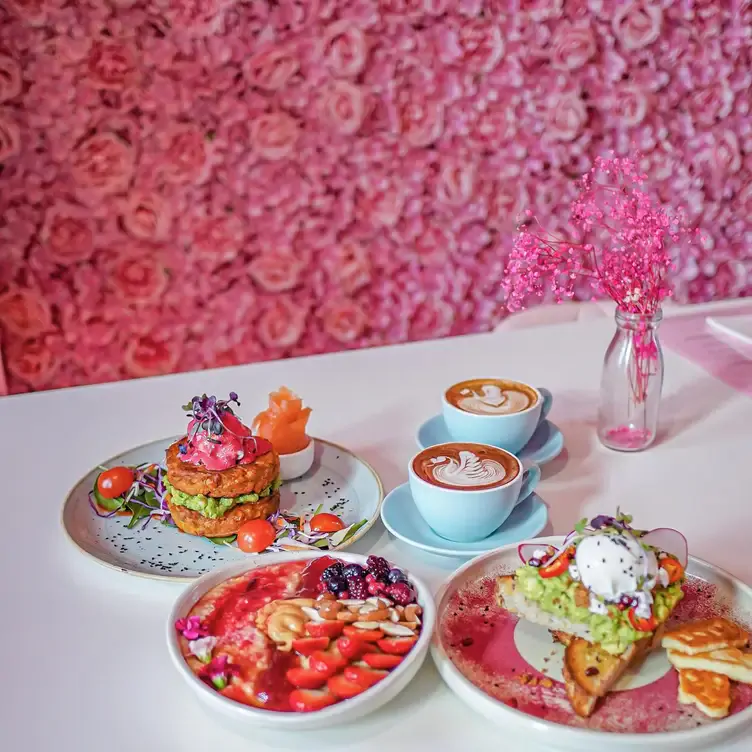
point(491, 396)
point(465, 466)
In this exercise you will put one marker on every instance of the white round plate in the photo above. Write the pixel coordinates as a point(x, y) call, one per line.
point(243, 718)
point(339, 480)
point(510, 670)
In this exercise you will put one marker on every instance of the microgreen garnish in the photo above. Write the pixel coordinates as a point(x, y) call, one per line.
point(581, 525)
point(219, 671)
point(208, 412)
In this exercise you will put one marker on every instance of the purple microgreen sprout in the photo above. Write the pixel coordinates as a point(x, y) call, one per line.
point(207, 412)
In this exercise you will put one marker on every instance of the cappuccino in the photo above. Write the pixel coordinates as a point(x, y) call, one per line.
point(491, 396)
point(465, 466)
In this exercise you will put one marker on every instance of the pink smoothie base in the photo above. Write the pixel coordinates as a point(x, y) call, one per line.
point(478, 637)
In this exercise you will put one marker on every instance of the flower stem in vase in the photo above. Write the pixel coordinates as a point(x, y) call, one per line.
point(631, 383)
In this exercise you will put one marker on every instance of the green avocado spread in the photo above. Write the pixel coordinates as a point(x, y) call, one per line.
point(212, 507)
point(556, 595)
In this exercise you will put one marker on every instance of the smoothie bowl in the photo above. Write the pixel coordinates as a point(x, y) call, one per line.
point(302, 641)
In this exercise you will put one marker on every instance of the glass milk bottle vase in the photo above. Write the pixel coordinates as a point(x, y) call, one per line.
point(631, 383)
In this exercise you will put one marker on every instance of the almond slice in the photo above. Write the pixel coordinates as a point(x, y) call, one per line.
point(351, 602)
point(380, 615)
point(368, 607)
point(413, 612)
point(410, 625)
point(308, 602)
point(370, 625)
point(312, 613)
point(394, 615)
point(347, 616)
point(395, 630)
point(379, 602)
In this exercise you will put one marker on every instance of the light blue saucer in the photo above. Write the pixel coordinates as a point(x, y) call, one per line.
point(402, 519)
point(544, 445)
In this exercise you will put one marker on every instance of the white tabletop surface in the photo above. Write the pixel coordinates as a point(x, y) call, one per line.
point(84, 666)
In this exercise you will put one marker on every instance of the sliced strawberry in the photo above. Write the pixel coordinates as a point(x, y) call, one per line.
point(397, 645)
point(380, 660)
point(351, 647)
point(308, 645)
point(330, 629)
point(309, 700)
point(327, 662)
point(344, 688)
point(306, 678)
point(367, 635)
point(364, 676)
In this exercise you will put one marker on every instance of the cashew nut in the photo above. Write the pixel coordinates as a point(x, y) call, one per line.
point(286, 624)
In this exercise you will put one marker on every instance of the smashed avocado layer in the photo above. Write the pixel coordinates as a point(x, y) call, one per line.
point(556, 595)
point(214, 507)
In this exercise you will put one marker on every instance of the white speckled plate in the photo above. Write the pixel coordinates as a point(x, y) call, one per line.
point(338, 477)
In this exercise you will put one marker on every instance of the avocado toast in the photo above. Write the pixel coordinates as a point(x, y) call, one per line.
point(606, 593)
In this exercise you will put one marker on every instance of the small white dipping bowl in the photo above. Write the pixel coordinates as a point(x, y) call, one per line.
point(241, 718)
point(294, 465)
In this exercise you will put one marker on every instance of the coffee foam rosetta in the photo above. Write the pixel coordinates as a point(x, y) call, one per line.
point(493, 400)
point(468, 471)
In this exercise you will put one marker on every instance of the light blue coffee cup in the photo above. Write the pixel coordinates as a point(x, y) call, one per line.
point(466, 515)
point(506, 431)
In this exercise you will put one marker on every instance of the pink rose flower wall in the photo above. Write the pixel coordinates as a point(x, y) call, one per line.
point(197, 183)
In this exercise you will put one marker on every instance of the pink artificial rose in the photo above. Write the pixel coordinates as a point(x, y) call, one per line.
point(274, 135)
point(421, 120)
point(456, 182)
point(186, 158)
point(712, 103)
point(34, 12)
point(344, 49)
point(541, 10)
point(10, 138)
point(67, 233)
point(566, 117)
point(381, 202)
point(24, 313)
point(276, 272)
point(481, 45)
point(347, 266)
point(637, 24)
point(343, 320)
point(32, 361)
point(147, 355)
point(217, 239)
point(147, 216)
point(103, 164)
point(572, 46)
point(196, 16)
point(628, 105)
point(432, 318)
point(344, 107)
point(434, 245)
point(138, 278)
point(281, 325)
point(271, 68)
point(10, 78)
point(112, 65)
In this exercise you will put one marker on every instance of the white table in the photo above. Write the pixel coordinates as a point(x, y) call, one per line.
point(83, 661)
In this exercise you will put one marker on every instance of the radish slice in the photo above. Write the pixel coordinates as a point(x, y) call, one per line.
point(669, 540)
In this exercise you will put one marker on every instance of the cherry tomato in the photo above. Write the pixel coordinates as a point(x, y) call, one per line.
point(326, 523)
point(114, 482)
point(640, 624)
point(673, 568)
point(256, 536)
point(555, 568)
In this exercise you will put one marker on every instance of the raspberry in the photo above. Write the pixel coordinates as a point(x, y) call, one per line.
point(358, 588)
point(321, 587)
point(354, 570)
point(343, 595)
point(376, 587)
point(332, 572)
point(378, 567)
point(370, 578)
point(401, 593)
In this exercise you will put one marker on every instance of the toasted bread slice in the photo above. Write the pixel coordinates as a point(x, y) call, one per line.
point(709, 692)
point(705, 635)
point(731, 662)
point(582, 703)
point(593, 669)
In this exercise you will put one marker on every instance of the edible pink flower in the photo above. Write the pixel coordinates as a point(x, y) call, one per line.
point(219, 672)
point(191, 628)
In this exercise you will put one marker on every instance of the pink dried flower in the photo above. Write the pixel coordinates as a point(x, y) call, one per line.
point(219, 672)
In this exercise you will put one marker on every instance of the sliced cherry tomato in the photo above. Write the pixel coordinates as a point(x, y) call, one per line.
point(326, 523)
point(673, 568)
point(114, 482)
point(640, 624)
point(555, 568)
point(255, 536)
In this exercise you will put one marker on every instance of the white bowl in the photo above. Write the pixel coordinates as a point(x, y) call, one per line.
point(294, 465)
point(241, 718)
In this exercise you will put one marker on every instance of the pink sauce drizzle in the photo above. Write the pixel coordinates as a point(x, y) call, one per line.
point(234, 446)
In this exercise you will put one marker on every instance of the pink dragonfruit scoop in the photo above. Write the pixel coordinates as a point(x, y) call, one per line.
point(669, 540)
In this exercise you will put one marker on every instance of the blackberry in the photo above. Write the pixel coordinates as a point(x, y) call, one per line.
point(401, 593)
point(336, 584)
point(378, 567)
point(333, 571)
point(395, 575)
point(358, 588)
point(354, 570)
